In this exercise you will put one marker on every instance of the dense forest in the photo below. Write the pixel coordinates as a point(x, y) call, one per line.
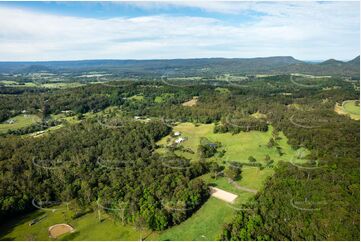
point(91, 163)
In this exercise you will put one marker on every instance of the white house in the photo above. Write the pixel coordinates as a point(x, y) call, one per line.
point(179, 140)
point(177, 133)
point(10, 121)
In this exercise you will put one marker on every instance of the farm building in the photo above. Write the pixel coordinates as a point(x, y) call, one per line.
point(179, 140)
point(10, 121)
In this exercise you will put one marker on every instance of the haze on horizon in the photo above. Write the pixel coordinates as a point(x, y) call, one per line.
point(42, 31)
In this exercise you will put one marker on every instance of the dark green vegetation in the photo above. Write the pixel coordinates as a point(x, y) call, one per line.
point(90, 163)
point(105, 160)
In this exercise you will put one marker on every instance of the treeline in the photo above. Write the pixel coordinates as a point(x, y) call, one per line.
point(235, 125)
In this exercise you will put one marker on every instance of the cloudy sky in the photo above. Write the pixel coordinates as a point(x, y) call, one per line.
point(158, 30)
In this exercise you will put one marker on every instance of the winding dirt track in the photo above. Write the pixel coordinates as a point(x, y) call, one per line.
point(245, 189)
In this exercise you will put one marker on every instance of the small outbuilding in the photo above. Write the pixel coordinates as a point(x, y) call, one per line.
point(179, 140)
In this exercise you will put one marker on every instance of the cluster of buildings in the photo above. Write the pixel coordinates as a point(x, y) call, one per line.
point(179, 139)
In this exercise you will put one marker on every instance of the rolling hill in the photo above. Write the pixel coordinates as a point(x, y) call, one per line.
point(265, 65)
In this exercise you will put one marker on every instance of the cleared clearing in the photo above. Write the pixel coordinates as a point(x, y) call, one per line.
point(18, 122)
point(59, 229)
point(259, 115)
point(205, 224)
point(191, 103)
point(238, 147)
point(88, 227)
point(349, 108)
point(223, 195)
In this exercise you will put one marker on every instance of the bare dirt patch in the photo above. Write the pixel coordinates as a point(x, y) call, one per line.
point(191, 103)
point(59, 229)
point(223, 195)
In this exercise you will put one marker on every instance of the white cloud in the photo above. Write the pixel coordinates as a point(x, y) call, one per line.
point(304, 30)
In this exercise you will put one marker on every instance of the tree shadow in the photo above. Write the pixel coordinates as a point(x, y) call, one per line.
point(10, 224)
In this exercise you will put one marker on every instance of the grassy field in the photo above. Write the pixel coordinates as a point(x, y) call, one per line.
point(259, 115)
point(189, 78)
point(229, 77)
point(222, 90)
point(162, 98)
point(136, 98)
point(309, 76)
point(253, 178)
point(87, 227)
point(19, 121)
point(61, 85)
point(349, 108)
point(59, 117)
point(205, 224)
point(238, 147)
point(5, 82)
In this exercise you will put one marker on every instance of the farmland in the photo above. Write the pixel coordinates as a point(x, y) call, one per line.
point(205, 224)
point(238, 147)
point(19, 121)
point(87, 227)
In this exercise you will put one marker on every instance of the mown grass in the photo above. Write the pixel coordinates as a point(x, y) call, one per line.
point(251, 177)
point(349, 108)
point(61, 85)
point(238, 147)
point(163, 98)
point(136, 98)
point(205, 224)
point(87, 227)
point(222, 90)
point(20, 121)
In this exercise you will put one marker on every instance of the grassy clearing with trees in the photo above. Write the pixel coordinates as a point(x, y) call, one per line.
point(87, 227)
point(205, 224)
point(237, 147)
point(18, 122)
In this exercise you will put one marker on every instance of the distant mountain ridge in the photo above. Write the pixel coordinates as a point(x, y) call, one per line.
point(275, 64)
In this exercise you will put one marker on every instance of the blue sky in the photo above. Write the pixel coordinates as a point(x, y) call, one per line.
point(158, 30)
